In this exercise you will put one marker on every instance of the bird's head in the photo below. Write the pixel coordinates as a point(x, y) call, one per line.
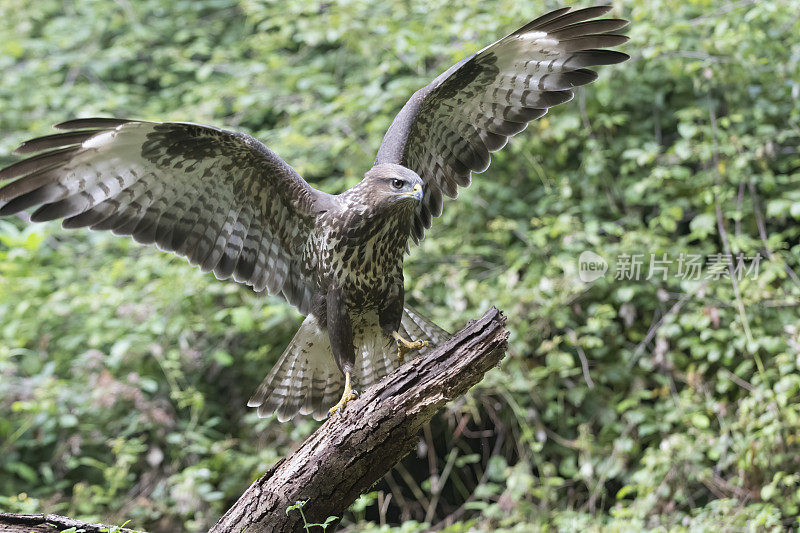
point(394, 185)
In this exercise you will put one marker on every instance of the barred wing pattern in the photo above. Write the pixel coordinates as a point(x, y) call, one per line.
point(449, 128)
point(219, 198)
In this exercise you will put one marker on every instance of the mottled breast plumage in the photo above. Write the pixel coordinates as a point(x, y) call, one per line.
point(359, 248)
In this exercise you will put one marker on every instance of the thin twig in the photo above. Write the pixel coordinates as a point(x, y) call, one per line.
point(723, 234)
point(737, 224)
point(397, 492)
point(637, 353)
point(721, 10)
point(582, 356)
point(436, 489)
point(762, 231)
point(584, 115)
point(455, 515)
point(739, 381)
point(383, 506)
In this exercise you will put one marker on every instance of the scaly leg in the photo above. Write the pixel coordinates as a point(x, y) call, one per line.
point(404, 346)
point(348, 395)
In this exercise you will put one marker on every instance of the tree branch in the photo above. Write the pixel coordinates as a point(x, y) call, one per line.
point(51, 523)
point(349, 453)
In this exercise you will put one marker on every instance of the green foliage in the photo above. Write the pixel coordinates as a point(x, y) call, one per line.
point(298, 506)
point(660, 403)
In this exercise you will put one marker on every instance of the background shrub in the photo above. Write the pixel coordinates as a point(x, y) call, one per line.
point(662, 402)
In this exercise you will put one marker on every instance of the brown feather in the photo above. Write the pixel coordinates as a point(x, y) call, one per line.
point(55, 141)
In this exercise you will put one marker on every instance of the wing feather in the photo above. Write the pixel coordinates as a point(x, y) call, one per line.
point(448, 129)
point(219, 198)
point(572, 17)
point(235, 245)
point(245, 267)
point(57, 140)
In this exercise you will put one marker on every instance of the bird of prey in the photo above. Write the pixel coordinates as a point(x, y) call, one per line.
point(229, 204)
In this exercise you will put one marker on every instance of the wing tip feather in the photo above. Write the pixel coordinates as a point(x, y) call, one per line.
point(93, 122)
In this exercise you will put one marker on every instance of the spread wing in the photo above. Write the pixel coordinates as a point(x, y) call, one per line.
point(449, 128)
point(219, 198)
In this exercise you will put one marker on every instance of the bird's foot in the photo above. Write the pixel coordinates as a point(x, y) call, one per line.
point(348, 396)
point(404, 346)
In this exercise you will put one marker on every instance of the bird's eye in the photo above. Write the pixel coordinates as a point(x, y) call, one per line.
point(398, 184)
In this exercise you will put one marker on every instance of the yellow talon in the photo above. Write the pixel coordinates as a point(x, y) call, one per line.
point(404, 346)
point(347, 396)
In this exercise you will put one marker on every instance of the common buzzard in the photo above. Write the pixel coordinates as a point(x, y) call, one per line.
point(229, 204)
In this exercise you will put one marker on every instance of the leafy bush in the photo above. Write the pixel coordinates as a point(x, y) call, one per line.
point(663, 403)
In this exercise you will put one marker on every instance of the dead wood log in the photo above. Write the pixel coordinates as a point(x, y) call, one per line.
point(51, 523)
point(350, 453)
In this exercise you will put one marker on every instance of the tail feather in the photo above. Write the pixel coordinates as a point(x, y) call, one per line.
point(334, 386)
point(296, 392)
point(306, 379)
point(418, 327)
point(376, 355)
point(305, 404)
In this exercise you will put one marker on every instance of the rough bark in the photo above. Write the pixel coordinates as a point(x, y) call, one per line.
point(352, 451)
point(51, 523)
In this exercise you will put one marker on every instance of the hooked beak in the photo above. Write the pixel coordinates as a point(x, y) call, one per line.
point(416, 193)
